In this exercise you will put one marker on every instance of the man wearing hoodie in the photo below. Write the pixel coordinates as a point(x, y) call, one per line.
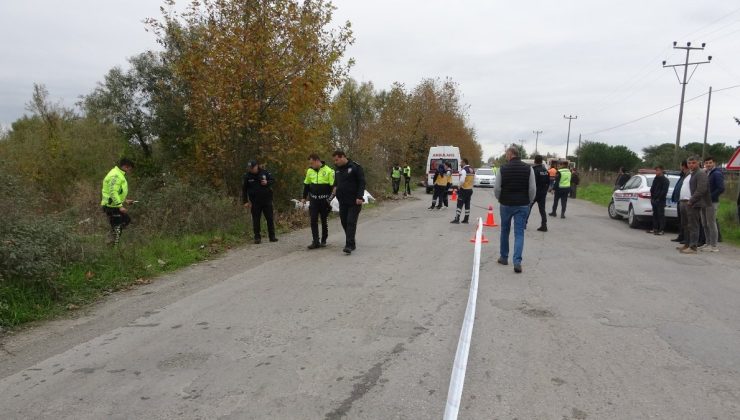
point(257, 196)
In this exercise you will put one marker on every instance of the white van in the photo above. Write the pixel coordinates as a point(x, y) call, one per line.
point(443, 154)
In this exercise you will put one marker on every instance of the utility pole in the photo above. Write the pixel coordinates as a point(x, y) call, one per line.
point(536, 140)
point(684, 82)
point(567, 143)
point(706, 126)
point(578, 154)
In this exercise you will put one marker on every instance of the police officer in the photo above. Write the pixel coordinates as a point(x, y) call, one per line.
point(562, 190)
point(257, 194)
point(396, 178)
point(407, 180)
point(114, 193)
point(349, 182)
point(542, 181)
point(318, 187)
point(467, 178)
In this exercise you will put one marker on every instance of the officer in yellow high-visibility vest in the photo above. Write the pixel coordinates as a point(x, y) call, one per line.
point(562, 189)
point(318, 187)
point(114, 196)
point(396, 178)
point(407, 179)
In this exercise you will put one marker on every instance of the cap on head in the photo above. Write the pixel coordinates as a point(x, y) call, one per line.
point(125, 162)
point(251, 164)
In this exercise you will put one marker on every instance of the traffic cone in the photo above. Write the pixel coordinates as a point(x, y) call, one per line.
point(490, 221)
point(454, 195)
point(483, 238)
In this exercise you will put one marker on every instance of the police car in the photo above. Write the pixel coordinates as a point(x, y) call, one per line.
point(633, 200)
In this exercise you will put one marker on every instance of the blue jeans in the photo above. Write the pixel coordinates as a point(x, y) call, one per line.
point(519, 214)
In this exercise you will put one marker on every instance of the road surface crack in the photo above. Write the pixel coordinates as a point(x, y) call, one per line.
point(366, 382)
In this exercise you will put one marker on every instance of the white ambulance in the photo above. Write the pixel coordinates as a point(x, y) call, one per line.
point(443, 154)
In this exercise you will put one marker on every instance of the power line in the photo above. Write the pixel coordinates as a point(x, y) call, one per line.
point(723, 17)
point(657, 112)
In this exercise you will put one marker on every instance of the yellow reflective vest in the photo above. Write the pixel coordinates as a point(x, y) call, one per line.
point(564, 178)
point(115, 188)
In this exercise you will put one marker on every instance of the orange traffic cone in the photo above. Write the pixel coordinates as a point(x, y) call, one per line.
point(483, 238)
point(454, 195)
point(490, 221)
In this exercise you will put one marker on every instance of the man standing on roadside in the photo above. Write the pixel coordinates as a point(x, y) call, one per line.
point(709, 213)
point(257, 195)
point(658, 196)
point(439, 182)
point(318, 187)
point(407, 180)
point(562, 189)
point(542, 181)
point(575, 179)
point(515, 189)
point(676, 198)
point(699, 198)
point(467, 179)
point(349, 182)
point(396, 178)
point(622, 179)
point(114, 193)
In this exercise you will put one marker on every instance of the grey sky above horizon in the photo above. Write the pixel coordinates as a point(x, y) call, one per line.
point(520, 66)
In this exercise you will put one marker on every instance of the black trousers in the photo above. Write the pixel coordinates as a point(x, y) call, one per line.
point(440, 193)
point(259, 209)
point(658, 215)
point(349, 214)
point(463, 200)
point(561, 194)
point(540, 200)
point(118, 221)
point(573, 190)
point(319, 208)
point(407, 185)
point(396, 185)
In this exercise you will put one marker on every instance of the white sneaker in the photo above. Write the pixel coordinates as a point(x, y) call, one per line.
point(703, 247)
point(713, 249)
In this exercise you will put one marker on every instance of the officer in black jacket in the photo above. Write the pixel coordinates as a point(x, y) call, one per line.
point(658, 196)
point(257, 194)
point(349, 182)
point(542, 180)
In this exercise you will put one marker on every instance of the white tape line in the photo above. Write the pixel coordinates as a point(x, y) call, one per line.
point(457, 379)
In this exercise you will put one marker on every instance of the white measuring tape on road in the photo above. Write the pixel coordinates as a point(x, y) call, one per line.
point(457, 379)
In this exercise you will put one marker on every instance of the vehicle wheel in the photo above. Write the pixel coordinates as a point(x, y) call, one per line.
point(613, 211)
point(633, 221)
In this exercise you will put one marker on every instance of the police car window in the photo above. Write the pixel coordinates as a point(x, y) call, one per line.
point(673, 179)
point(484, 172)
point(634, 182)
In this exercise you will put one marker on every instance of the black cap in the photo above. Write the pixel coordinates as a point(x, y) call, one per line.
point(251, 164)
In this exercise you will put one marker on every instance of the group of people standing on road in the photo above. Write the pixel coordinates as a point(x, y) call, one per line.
point(697, 193)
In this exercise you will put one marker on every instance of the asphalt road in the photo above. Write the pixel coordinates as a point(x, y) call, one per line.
point(606, 322)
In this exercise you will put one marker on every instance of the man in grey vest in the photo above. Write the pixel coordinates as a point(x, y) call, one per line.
point(515, 189)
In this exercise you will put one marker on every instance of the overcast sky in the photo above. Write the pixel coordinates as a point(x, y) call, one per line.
point(520, 65)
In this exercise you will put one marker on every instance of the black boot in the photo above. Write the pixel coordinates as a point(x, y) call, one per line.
point(314, 245)
point(466, 220)
point(456, 220)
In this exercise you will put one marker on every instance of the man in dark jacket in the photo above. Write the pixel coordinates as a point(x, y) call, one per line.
point(542, 181)
point(700, 199)
point(575, 179)
point(257, 194)
point(622, 179)
point(658, 196)
point(676, 199)
point(349, 183)
point(716, 188)
point(515, 190)
point(709, 213)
